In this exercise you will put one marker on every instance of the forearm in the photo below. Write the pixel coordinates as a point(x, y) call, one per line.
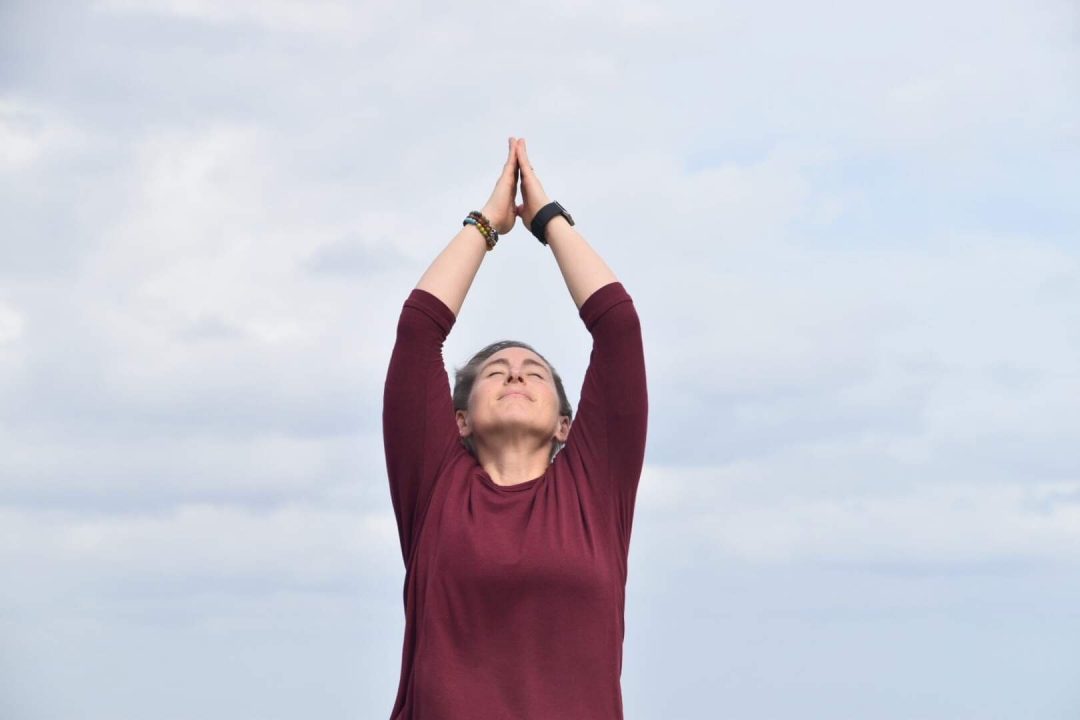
point(582, 268)
point(451, 274)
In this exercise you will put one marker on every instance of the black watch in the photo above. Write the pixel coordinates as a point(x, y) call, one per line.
point(544, 216)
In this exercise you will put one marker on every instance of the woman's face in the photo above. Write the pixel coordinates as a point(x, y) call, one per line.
point(514, 395)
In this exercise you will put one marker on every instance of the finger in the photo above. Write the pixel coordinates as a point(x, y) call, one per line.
point(523, 157)
point(510, 168)
point(528, 173)
point(520, 170)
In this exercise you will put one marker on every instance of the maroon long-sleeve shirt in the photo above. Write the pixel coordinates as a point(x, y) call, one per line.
point(514, 595)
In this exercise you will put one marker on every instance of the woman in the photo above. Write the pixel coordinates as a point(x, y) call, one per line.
point(515, 550)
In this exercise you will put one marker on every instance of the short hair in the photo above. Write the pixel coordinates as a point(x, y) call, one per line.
point(465, 377)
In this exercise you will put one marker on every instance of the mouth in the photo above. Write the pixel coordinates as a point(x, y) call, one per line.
point(511, 394)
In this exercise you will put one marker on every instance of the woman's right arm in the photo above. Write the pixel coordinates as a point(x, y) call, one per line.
point(451, 274)
point(419, 429)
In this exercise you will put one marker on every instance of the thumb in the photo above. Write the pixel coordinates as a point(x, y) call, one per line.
point(509, 171)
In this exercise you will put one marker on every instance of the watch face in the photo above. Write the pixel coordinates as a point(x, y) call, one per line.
point(567, 215)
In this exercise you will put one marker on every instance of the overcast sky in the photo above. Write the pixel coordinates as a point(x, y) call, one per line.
point(851, 231)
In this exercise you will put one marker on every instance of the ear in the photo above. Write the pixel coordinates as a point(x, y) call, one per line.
point(462, 418)
point(563, 430)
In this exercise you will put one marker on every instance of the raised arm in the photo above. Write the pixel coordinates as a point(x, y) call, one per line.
point(582, 268)
point(419, 430)
point(607, 437)
point(451, 274)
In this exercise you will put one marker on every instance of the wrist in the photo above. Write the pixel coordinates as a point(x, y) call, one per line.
point(540, 204)
point(485, 227)
point(495, 217)
point(547, 216)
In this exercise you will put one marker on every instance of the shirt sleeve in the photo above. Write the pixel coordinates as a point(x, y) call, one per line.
point(607, 436)
point(419, 430)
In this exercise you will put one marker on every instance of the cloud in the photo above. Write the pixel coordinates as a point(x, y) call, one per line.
point(850, 235)
point(11, 325)
point(30, 134)
point(768, 512)
point(358, 256)
point(279, 15)
point(292, 543)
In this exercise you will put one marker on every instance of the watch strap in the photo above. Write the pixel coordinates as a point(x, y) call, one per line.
point(538, 226)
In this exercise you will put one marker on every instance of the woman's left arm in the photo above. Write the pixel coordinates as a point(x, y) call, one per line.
point(582, 268)
point(607, 436)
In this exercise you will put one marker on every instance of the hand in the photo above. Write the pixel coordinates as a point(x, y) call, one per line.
point(532, 192)
point(499, 209)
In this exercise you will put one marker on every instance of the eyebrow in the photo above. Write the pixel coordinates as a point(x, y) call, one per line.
point(504, 361)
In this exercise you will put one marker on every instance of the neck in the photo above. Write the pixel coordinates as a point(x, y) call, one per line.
point(513, 463)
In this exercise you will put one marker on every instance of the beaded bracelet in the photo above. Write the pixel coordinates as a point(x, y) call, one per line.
point(481, 223)
point(483, 231)
point(485, 224)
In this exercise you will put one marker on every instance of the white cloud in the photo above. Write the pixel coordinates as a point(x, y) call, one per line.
point(286, 15)
point(746, 512)
point(854, 357)
point(192, 546)
point(30, 133)
point(11, 325)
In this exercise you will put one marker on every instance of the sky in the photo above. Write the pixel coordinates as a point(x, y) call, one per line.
point(851, 233)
